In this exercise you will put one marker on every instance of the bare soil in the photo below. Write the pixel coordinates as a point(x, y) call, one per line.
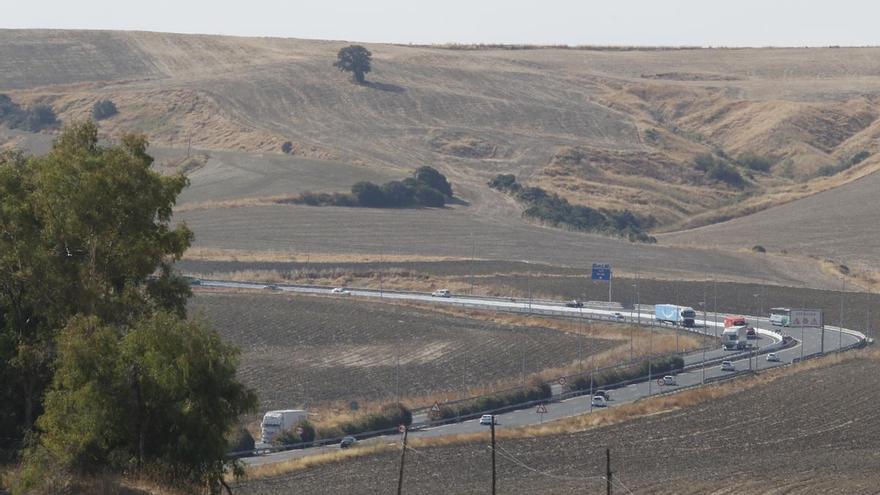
point(301, 350)
point(811, 432)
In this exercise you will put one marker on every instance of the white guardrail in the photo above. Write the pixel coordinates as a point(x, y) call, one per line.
point(590, 311)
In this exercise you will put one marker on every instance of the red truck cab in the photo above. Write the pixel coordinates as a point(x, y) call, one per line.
point(734, 321)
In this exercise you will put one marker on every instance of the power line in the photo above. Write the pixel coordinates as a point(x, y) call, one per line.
point(617, 479)
point(507, 455)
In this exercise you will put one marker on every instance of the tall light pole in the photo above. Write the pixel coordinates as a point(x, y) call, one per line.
point(715, 307)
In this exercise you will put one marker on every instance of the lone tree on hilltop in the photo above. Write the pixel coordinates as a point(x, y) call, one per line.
point(354, 59)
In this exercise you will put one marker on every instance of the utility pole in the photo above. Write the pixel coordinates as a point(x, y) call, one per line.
point(650, 351)
point(608, 473)
point(492, 429)
point(402, 461)
point(840, 328)
point(473, 260)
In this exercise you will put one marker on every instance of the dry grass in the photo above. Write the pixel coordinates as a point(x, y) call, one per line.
point(627, 412)
point(241, 255)
point(394, 278)
point(334, 456)
point(234, 203)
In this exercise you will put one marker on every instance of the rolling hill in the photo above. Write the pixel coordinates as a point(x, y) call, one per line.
point(608, 128)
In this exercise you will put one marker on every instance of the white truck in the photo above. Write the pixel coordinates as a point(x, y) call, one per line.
point(736, 338)
point(677, 315)
point(275, 422)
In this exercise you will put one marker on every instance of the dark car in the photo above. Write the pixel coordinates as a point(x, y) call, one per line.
point(574, 303)
point(751, 333)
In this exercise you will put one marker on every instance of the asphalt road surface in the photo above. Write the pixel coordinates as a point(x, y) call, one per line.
point(701, 366)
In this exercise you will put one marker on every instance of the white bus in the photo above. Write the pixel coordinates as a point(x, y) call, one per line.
point(780, 317)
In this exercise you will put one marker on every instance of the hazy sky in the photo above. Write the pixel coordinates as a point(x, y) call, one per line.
point(607, 22)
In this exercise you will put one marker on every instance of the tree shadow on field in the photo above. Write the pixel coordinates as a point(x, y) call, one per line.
point(391, 88)
point(457, 201)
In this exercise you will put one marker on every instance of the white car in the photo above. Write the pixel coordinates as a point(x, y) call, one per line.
point(599, 401)
point(488, 419)
point(728, 366)
point(669, 380)
point(773, 357)
point(618, 317)
point(441, 293)
point(340, 291)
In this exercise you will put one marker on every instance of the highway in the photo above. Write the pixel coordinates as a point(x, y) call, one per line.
point(700, 366)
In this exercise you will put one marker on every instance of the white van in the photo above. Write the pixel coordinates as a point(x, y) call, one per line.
point(441, 293)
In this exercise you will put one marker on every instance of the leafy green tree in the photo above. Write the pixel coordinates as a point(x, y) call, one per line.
point(162, 395)
point(432, 178)
point(368, 194)
point(397, 193)
point(82, 231)
point(355, 59)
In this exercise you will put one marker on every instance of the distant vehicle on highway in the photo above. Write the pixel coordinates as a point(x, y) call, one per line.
point(773, 357)
point(677, 315)
point(618, 317)
point(734, 321)
point(574, 303)
point(735, 338)
point(667, 380)
point(347, 442)
point(488, 419)
point(441, 293)
point(273, 287)
point(275, 422)
point(193, 281)
point(603, 393)
point(728, 366)
point(599, 401)
point(340, 291)
point(751, 333)
point(780, 317)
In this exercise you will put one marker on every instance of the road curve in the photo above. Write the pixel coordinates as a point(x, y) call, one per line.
point(700, 367)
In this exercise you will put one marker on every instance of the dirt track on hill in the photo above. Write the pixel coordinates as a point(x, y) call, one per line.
point(814, 432)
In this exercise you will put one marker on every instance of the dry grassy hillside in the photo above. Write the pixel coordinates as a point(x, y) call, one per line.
point(838, 225)
point(617, 129)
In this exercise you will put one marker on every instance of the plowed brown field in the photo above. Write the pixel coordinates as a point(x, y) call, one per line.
point(812, 432)
point(299, 350)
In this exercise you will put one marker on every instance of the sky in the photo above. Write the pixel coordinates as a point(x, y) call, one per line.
point(569, 22)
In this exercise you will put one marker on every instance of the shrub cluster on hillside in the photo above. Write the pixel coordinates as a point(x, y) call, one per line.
point(557, 211)
point(426, 187)
point(829, 170)
point(31, 119)
point(755, 162)
point(104, 109)
point(720, 170)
